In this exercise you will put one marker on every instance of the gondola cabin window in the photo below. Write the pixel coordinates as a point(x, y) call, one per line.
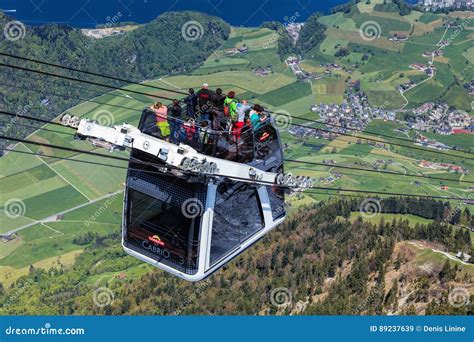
point(158, 228)
point(230, 228)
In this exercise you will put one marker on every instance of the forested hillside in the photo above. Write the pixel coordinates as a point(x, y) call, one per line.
point(149, 51)
point(285, 43)
point(311, 34)
point(326, 264)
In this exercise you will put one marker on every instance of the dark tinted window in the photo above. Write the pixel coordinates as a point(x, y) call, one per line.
point(237, 217)
point(163, 220)
point(276, 196)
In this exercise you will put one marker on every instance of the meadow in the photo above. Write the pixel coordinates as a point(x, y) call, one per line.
point(388, 62)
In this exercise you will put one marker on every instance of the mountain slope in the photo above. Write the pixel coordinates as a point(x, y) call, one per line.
point(160, 47)
point(315, 263)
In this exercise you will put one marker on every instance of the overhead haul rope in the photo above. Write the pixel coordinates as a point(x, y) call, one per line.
point(183, 93)
point(288, 160)
point(297, 125)
point(227, 176)
point(89, 72)
point(72, 134)
point(44, 80)
point(139, 110)
point(83, 81)
point(182, 121)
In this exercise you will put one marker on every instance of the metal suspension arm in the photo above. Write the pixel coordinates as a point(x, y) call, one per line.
point(183, 156)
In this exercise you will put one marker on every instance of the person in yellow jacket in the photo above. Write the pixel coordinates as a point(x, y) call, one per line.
point(161, 113)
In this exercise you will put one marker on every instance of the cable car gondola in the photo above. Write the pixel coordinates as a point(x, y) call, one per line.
point(194, 204)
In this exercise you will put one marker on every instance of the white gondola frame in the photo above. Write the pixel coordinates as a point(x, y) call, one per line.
point(205, 269)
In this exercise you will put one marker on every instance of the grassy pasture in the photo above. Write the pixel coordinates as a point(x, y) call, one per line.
point(412, 219)
point(53, 239)
point(337, 20)
point(243, 79)
point(387, 25)
point(9, 274)
point(288, 93)
point(355, 37)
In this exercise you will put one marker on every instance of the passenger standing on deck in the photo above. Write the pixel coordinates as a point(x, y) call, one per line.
point(191, 103)
point(230, 107)
point(161, 114)
point(257, 117)
point(242, 108)
point(217, 109)
point(204, 98)
point(174, 119)
point(204, 138)
point(190, 133)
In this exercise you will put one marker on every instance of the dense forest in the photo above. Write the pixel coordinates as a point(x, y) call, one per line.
point(424, 207)
point(149, 51)
point(285, 44)
point(326, 263)
point(404, 8)
point(344, 7)
point(311, 34)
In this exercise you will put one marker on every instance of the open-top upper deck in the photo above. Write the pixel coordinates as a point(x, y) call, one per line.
point(243, 145)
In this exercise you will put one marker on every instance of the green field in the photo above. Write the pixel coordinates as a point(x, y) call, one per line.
point(387, 60)
point(427, 18)
point(412, 219)
point(54, 239)
point(288, 93)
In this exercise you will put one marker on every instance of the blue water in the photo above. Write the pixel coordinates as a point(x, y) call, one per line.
point(88, 13)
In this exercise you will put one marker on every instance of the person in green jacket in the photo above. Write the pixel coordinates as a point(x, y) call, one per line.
point(230, 106)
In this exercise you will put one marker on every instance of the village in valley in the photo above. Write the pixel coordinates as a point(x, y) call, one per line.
point(355, 111)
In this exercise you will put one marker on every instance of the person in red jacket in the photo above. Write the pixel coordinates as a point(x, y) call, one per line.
point(204, 99)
